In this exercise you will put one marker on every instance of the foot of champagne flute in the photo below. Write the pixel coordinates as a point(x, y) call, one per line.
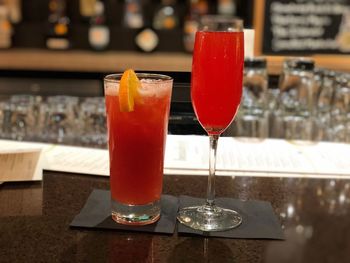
point(209, 218)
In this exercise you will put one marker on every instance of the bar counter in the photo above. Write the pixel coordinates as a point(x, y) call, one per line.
point(35, 218)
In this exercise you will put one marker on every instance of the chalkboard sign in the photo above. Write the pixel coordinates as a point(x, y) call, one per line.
point(303, 26)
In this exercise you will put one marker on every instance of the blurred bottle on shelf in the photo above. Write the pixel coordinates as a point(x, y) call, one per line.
point(190, 28)
point(87, 8)
point(166, 17)
point(5, 26)
point(197, 8)
point(57, 37)
point(147, 40)
point(14, 7)
point(133, 14)
point(99, 35)
point(343, 36)
point(227, 7)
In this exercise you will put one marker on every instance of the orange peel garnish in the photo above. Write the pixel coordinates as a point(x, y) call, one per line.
point(128, 90)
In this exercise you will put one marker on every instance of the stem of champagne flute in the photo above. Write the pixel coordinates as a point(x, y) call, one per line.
point(212, 164)
point(206, 250)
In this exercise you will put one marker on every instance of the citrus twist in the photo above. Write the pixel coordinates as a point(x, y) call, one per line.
point(128, 90)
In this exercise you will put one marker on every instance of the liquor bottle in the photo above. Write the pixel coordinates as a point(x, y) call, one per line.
point(98, 31)
point(343, 36)
point(147, 40)
point(5, 27)
point(227, 7)
point(166, 16)
point(57, 37)
point(197, 9)
point(14, 7)
point(87, 8)
point(133, 15)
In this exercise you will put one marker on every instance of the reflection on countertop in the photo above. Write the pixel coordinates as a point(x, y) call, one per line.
point(35, 217)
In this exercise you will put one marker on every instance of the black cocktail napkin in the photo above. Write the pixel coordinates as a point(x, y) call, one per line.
point(258, 219)
point(96, 213)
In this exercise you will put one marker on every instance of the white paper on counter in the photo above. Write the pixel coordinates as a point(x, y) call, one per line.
point(188, 154)
point(65, 158)
point(270, 157)
point(20, 162)
point(329, 158)
point(192, 152)
point(77, 160)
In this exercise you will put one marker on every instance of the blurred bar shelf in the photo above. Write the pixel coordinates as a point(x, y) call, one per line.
point(89, 61)
point(112, 61)
point(335, 62)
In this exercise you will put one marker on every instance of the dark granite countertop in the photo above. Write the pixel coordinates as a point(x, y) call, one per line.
point(35, 217)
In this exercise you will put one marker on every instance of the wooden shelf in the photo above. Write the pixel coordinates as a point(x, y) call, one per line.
point(112, 61)
point(335, 62)
point(88, 61)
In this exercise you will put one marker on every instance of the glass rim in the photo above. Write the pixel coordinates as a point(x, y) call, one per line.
point(224, 19)
point(115, 77)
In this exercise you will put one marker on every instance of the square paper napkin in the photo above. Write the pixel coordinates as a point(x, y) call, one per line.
point(258, 219)
point(96, 213)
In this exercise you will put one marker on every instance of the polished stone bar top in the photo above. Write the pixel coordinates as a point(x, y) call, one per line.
point(35, 218)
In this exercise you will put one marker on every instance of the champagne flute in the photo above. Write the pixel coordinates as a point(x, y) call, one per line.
point(216, 90)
